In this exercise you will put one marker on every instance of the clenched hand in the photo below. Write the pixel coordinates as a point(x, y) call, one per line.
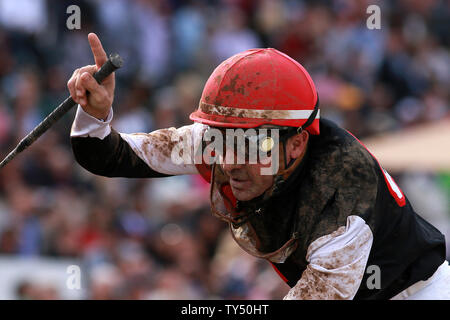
point(100, 98)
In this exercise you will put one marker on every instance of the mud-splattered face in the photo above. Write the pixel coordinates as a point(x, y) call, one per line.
point(247, 181)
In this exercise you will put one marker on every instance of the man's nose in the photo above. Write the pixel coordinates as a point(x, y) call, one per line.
point(228, 167)
point(229, 160)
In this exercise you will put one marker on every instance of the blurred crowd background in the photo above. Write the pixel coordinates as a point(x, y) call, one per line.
point(156, 238)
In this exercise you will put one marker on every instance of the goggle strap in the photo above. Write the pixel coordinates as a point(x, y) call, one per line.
point(311, 118)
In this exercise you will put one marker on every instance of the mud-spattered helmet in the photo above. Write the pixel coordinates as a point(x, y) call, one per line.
point(259, 87)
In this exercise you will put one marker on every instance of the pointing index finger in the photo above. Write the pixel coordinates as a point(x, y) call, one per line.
point(100, 56)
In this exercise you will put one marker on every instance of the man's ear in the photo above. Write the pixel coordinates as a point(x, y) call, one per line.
point(296, 145)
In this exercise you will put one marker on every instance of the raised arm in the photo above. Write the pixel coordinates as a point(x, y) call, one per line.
point(104, 151)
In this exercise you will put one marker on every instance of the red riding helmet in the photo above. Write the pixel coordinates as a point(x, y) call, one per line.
point(259, 87)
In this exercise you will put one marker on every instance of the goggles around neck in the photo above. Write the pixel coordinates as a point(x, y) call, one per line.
point(223, 206)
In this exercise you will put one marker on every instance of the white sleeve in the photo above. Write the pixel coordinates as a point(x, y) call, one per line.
point(170, 151)
point(336, 264)
point(86, 125)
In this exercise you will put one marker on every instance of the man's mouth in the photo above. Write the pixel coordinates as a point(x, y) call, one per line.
point(238, 183)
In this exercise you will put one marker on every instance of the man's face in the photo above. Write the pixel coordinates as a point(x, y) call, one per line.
point(246, 159)
point(249, 181)
point(246, 180)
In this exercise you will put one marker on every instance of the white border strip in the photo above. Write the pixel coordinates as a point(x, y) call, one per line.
point(254, 113)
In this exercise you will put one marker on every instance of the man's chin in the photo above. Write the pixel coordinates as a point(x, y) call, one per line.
point(242, 195)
